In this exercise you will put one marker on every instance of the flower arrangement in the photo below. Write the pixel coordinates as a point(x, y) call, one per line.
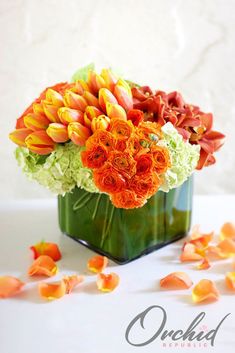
point(108, 135)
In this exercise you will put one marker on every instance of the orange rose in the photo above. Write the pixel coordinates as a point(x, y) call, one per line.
point(102, 137)
point(127, 199)
point(145, 163)
point(145, 186)
point(108, 180)
point(134, 144)
point(123, 162)
point(121, 145)
point(121, 129)
point(149, 131)
point(94, 157)
point(161, 159)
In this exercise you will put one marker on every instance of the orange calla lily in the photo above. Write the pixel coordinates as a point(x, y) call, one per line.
point(107, 282)
point(43, 266)
point(204, 264)
point(44, 248)
point(227, 231)
point(230, 280)
point(52, 291)
point(9, 286)
point(176, 280)
point(190, 253)
point(97, 263)
point(71, 282)
point(205, 291)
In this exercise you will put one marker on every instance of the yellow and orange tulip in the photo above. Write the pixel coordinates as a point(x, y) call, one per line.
point(110, 78)
point(95, 82)
point(50, 111)
point(91, 99)
point(68, 115)
point(74, 101)
point(36, 122)
point(123, 94)
point(115, 111)
point(105, 96)
point(91, 113)
point(78, 133)
point(40, 143)
point(18, 136)
point(54, 97)
point(58, 132)
point(101, 122)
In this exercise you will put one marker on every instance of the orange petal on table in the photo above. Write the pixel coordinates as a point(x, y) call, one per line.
point(9, 286)
point(107, 283)
point(176, 280)
point(51, 291)
point(205, 290)
point(71, 282)
point(204, 264)
point(97, 263)
point(199, 239)
point(49, 249)
point(227, 231)
point(227, 247)
point(190, 253)
point(44, 265)
point(230, 280)
point(214, 252)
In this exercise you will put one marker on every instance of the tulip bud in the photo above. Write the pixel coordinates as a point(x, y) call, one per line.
point(95, 82)
point(83, 85)
point(18, 136)
point(38, 108)
point(122, 92)
point(50, 111)
point(106, 96)
point(74, 101)
point(20, 123)
point(115, 111)
point(68, 115)
point(109, 78)
point(101, 122)
point(54, 97)
point(36, 122)
point(91, 99)
point(39, 142)
point(90, 113)
point(78, 133)
point(58, 132)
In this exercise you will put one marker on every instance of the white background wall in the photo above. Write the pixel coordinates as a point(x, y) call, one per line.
point(185, 45)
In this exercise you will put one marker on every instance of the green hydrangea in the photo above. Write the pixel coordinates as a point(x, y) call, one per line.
point(60, 172)
point(184, 158)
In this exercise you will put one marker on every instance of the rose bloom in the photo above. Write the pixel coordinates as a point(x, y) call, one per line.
point(145, 129)
point(121, 145)
point(144, 164)
point(101, 137)
point(121, 129)
point(123, 162)
point(145, 186)
point(127, 199)
point(94, 157)
point(161, 159)
point(134, 144)
point(108, 180)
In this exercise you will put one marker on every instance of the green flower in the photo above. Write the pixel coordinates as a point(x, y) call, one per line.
point(184, 158)
point(60, 172)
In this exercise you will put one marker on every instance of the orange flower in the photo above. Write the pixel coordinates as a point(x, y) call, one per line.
point(54, 97)
point(230, 280)
point(176, 280)
point(105, 96)
point(123, 162)
point(40, 143)
point(161, 159)
point(43, 266)
point(97, 263)
point(49, 249)
point(102, 137)
point(78, 133)
point(204, 265)
point(144, 164)
point(75, 101)
point(149, 130)
point(91, 113)
point(57, 132)
point(91, 99)
point(50, 111)
point(110, 78)
point(145, 185)
point(121, 129)
point(115, 111)
point(205, 291)
point(94, 157)
point(18, 136)
point(123, 94)
point(68, 115)
point(36, 122)
point(227, 231)
point(121, 145)
point(189, 253)
point(108, 180)
point(95, 82)
point(136, 116)
point(101, 122)
point(134, 144)
point(107, 283)
point(9, 286)
point(127, 199)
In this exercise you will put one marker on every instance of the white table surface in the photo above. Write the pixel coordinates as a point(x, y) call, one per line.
point(88, 321)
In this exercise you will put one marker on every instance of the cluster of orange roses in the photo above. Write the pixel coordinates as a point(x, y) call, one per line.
point(126, 161)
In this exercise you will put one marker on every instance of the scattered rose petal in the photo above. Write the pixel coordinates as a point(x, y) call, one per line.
point(97, 263)
point(227, 247)
point(204, 264)
point(9, 286)
point(107, 282)
point(230, 280)
point(213, 252)
point(52, 291)
point(205, 291)
point(190, 253)
point(227, 231)
point(71, 282)
point(49, 249)
point(44, 266)
point(176, 280)
point(199, 239)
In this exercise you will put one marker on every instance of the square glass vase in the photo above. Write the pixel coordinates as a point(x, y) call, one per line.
point(125, 235)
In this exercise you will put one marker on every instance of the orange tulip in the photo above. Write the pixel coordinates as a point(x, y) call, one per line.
point(90, 113)
point(91, 99)
point(50, 111)
point(83, 86)
point(106, 96)
point(176, 280)
point(68, 115)
point(36, 122)
point(49, 249)
point(115, 111)
point(205, 291)
point(107, 283)
point(109, 78)
point(123, 94)
point(54, 97)
point(18, 136)
point(9, 286)
point(97, 263)
point(40, 143)
point(58, 132)
point(95, 82)
point(78, 133)
point(43, 266)
point(75, 101)
point(101, 122)
point(38, 109)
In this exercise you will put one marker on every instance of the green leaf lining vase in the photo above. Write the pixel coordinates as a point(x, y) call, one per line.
point(124, 235)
